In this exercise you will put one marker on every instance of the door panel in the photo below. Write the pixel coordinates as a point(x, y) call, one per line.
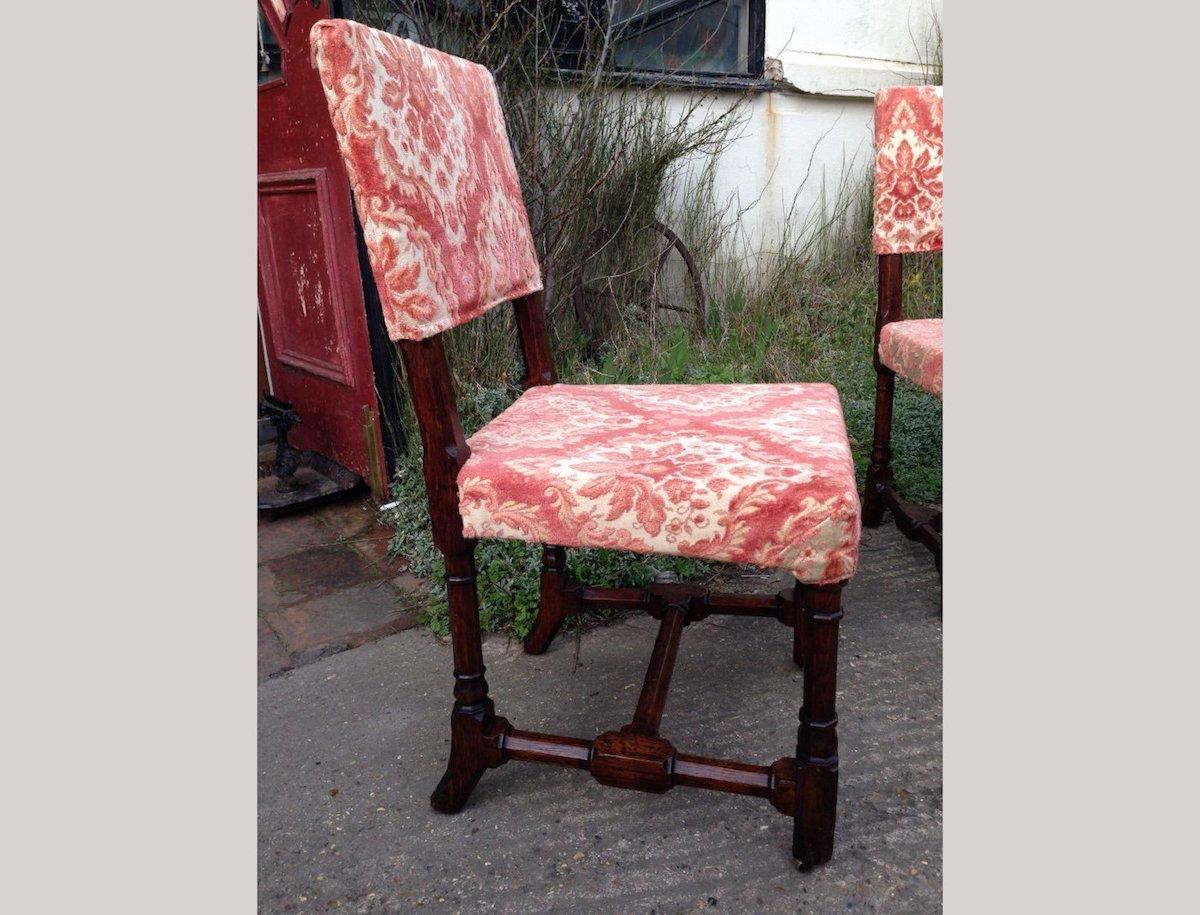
point(300, 264)
point(310, 289)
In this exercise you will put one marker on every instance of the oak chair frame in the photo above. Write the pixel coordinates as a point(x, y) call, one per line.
point(803, 787)
point(917, 522)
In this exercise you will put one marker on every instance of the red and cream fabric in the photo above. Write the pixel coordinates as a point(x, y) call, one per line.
point(913, 350)
point(427, 152)
point(908, 169)
point(747, 473)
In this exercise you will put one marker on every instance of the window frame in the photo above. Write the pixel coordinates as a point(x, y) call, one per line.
point(755, 47)
point(754, 79)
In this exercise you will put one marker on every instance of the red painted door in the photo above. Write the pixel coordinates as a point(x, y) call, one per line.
point(310, 291)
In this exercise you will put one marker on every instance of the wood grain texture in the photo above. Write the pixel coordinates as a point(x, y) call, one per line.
point(816, 739)
point(889, 307)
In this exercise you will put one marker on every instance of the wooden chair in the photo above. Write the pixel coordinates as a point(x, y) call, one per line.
point(756, 474)
point(908, 218)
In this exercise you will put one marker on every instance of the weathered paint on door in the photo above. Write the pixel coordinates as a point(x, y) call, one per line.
point(310, 291)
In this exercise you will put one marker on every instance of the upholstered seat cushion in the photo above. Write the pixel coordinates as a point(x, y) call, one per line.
point(913, 350)
point(758, 474)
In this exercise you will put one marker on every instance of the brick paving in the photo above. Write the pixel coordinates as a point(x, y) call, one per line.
point(326, 583)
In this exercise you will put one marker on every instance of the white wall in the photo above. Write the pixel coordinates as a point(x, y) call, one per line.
point(849, 47)
point(802, 141)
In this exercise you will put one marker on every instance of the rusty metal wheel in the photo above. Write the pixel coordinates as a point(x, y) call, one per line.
point(677, 284)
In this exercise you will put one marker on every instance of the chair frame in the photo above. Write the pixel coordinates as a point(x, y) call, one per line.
point(917, 522)
point(803, 787)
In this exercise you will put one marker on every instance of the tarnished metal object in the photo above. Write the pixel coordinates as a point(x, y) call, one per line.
point(689, 299)
point(282, 416)
point(302, 479)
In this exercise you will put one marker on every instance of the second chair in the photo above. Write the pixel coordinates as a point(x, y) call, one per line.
point(907, 219)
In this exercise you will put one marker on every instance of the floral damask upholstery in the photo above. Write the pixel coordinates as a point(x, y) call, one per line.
point(908, 169)
point(913, 350)
point(746, 473)
point(427, 153)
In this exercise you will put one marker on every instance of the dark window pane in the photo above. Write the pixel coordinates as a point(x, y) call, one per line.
point(685, 36)
point(682, 35)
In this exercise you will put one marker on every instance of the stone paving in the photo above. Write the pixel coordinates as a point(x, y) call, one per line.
point(326, 583)
point(351, 745)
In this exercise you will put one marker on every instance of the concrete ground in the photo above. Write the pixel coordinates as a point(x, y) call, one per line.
point(351, 745)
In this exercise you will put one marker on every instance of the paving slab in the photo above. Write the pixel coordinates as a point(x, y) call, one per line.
point(353, 518)
point(351, 746)
point(292, 535)
point(340, 619)
point(326, 583)
point(373, 543)
point(314, 572)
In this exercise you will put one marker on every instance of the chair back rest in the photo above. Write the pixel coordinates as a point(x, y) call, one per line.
point(430, 164)
point(908, 170)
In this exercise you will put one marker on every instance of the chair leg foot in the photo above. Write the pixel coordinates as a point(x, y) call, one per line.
point(812, 837)
point(450, 796)
point(475, 731)
point(473, 750)
point(872, 505)
point(545, 628)
point(879, 477)
point(558, 600)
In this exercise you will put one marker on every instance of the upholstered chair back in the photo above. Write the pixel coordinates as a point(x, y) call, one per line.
point(908, 170)
point(429, 161)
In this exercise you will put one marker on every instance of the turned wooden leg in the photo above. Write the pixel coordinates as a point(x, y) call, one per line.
point(474, 727)
point(558, 600)
point(889, 308)
point(797, 628)
point(816, 743)
point(879, 472)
